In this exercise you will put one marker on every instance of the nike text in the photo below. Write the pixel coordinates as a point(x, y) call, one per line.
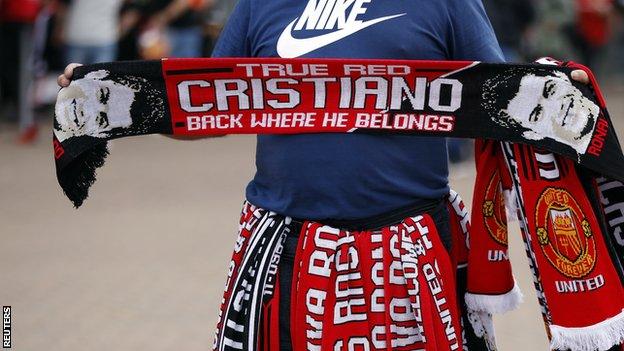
point(341, 17)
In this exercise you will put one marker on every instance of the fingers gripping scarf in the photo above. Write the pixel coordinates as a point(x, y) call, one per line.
point(558, 127)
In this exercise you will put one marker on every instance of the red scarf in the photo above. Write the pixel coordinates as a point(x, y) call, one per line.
point(565, 241)
point(414, 276)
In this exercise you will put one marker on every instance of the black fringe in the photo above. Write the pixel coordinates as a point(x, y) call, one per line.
point(77, 177)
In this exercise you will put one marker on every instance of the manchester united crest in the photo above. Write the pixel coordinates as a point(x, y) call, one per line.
point(564, 233)
point(494, 213)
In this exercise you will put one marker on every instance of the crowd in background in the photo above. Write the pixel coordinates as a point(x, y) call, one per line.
point(39, 37)
point(585, 31)
point(572, 29)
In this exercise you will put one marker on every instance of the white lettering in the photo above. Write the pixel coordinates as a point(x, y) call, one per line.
point(184, 94)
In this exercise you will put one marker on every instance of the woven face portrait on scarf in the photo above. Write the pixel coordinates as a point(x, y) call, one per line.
point(92, 95)
point(102, 105)
point(544, 105)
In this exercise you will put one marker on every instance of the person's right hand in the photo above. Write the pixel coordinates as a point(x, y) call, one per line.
point(64, 79)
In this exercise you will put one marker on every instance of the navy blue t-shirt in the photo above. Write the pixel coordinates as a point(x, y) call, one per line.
point(353, 176)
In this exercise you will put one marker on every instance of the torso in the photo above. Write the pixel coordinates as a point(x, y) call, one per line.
point(348, 176)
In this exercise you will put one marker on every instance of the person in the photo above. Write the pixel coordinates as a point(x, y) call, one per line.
point(88, 29)
point(510, 20)
point(342, 192)
point(182, 20)
point(593, 28)
point(551, 33)
point(17, 23)
point(152, 29)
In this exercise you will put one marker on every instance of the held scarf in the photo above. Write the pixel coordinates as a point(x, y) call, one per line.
point(477, 323)
point(570, 249)
point(533, 104)
point(488, 239)
point(571, 221)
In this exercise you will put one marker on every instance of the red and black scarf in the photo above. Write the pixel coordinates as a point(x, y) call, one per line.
point(197, 97)
point(563, 171)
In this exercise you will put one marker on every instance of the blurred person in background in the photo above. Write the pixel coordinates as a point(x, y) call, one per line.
point(88, 29)
point(510, 20)
point(216, 18)
point(17, 19)
point(182, 20)
point(152, 29)
point(139, 36)
point(615, 53)
point(130, 21)
point(593, 29)
point(551, 34)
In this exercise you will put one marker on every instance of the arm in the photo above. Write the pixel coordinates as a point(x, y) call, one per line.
point(233, 40)
point(471, 34)
point(127, 21)
point(170, 13)
point(58, 32)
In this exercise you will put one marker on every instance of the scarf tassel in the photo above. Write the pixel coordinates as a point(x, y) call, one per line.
point(79, 175)
point(601, 336)
point(495, 304)
point(483, 327)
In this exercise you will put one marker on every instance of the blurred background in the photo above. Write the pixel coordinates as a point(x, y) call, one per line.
point(137, 268)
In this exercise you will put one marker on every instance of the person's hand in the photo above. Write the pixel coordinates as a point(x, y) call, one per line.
point(64, 79)
point(580, 76)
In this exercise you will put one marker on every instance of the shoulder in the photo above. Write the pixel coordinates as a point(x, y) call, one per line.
point(455, 13)
point(471, 34)
point(464, 9)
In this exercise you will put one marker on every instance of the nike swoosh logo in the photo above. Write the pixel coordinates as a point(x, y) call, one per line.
point(290, 47)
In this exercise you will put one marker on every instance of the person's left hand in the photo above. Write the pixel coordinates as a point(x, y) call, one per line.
point(580, 76)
